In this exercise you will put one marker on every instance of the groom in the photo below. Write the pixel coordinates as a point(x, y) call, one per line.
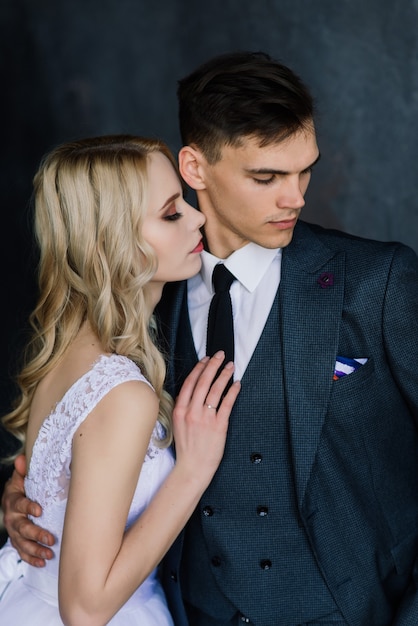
point(312, 517)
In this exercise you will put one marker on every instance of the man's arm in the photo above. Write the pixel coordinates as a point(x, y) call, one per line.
point(401, 340)
point(400, 324)
point(28, 539)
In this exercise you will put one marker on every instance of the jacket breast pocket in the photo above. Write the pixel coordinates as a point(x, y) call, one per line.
point(360, 377)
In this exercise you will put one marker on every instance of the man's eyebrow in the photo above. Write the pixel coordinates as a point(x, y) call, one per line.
point(268, 170)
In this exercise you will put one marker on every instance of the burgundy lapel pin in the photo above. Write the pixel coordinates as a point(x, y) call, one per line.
point(326, 280)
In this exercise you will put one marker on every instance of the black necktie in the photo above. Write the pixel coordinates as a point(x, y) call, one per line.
point(220, 334)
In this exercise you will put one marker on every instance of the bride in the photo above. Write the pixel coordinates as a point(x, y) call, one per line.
point(96, 425)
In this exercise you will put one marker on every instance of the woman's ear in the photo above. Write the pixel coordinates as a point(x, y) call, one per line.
point(191, 167)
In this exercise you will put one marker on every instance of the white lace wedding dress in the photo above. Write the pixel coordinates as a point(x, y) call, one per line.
point(29, 595)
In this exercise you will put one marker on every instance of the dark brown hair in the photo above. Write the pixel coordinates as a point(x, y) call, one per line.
point(241, 94)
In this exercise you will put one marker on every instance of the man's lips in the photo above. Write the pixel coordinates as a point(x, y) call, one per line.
point(283, 224)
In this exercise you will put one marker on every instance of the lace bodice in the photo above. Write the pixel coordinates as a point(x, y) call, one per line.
point(29, 595)
point(49, 473)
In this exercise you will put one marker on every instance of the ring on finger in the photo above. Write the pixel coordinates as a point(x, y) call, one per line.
point(211, 407)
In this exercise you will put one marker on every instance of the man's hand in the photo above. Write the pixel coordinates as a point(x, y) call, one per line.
point(28, 539)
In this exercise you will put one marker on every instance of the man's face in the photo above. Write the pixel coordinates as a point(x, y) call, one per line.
point(256, 193)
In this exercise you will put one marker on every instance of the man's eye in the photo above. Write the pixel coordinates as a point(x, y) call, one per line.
point(264, 181)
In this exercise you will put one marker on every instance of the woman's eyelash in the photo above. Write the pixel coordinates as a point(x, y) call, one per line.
point(172, 217)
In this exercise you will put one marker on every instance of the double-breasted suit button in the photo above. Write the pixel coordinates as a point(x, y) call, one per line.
point(266, 564)
point(207, 511)
point(173, 576)
point(216, 561)
point(256, 458)
point(262, 511)
point(245, 620)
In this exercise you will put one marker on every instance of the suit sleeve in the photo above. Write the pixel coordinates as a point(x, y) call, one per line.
point(400, 324)
point(400, 321)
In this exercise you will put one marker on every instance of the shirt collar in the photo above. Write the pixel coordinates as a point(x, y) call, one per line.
point(248, 265)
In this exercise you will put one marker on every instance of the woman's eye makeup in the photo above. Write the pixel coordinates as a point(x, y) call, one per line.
point(172, 214)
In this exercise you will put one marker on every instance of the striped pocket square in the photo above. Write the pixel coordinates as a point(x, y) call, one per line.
point(345, 366)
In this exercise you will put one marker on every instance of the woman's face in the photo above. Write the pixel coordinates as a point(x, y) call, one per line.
point(171, 225)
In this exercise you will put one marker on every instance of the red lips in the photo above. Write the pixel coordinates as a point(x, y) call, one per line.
point(199, 247)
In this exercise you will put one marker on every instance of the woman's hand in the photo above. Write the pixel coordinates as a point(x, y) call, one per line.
point(201, 416)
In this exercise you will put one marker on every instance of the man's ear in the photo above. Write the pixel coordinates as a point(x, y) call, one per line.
point(191, 167)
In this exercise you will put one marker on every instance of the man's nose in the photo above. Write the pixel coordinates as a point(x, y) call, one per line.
point(291, 195)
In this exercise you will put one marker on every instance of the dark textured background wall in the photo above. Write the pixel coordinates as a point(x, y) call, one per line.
point(99, 66)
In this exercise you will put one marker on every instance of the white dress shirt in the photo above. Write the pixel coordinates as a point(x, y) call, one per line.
point(257, 271)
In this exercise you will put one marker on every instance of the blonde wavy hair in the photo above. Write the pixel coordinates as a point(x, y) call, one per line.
point(90, 199)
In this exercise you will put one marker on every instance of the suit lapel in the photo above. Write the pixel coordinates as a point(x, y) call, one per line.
point(311, 315)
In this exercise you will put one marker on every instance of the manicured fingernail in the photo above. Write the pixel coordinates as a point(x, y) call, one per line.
point(219, 355)
point(205, 359)
point(229, 365)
